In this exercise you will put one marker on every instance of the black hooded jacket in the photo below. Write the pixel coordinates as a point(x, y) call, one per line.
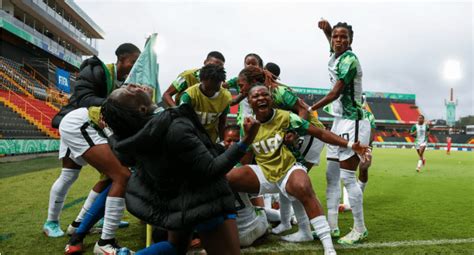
point(180, 174)
point(91, 88)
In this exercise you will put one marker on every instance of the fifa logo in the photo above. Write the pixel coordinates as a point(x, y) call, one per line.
point(269, 145)
point(62, 81)
point(207, 117)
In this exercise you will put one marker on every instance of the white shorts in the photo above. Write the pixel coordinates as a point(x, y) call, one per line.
point(77, 136)
point(275, 187)
point(418, 145)
point(350, 130)
point(311, 148)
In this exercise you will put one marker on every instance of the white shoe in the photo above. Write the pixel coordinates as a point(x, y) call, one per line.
point(300, 236)
point(281, 228)
point(110, 249)
point(353, 237)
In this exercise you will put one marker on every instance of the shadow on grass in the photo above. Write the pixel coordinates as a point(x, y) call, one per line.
point(27, 166)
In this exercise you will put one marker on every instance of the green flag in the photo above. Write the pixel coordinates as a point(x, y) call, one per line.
point(145, 69)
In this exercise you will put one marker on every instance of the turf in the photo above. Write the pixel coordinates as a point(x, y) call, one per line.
point(400, 205)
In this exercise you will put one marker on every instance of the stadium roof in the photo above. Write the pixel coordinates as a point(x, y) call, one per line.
point(92, 28)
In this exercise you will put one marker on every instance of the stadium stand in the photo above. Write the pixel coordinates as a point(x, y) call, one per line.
point(381, 108)
point(13, 126)
point(20, 76)
point(406, 112)
point(37, 112)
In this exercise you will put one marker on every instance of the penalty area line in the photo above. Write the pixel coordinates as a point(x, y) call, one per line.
point(286, 247)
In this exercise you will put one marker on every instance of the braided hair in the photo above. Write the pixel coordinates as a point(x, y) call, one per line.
point(232, 127)
point(346, 26)
point(254, 75)
point(123, 116)
point(213, 73)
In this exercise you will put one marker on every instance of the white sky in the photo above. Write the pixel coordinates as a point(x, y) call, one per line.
point(402, 46)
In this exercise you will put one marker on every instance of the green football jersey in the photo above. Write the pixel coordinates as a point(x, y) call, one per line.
point(285, 98)
point(421, 133)
point(185, 80)
point(208, 109)
point(347, 68)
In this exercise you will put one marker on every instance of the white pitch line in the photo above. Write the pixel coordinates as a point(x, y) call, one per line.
point(286, 247)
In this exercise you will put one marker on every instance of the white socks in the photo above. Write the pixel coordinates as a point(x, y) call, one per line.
point(420, 163)
point(345, 199)
point(285, 211)
point(320, 225)
point(355, 198)
point(272, 214)
point(304, 230)
point(87, 205)
point(114, 210)
point(333, 192)
point(59, 191)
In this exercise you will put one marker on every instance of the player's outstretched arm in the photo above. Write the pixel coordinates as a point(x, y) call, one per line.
point(326, 27)
point(168, 96)
point(331, 96)
point(301, 108)
point(331, 138)
point(237, 99)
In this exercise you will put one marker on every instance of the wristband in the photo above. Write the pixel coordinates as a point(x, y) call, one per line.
point(349, 144)
point(310, 109)
point(242, 146)
point(107, 131)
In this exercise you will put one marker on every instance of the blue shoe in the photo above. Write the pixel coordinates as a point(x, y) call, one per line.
point(52, 229)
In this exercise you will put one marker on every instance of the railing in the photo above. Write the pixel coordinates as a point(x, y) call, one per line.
point(60, 19)
point(26, 106)
point(52, 94)
point(14, 83)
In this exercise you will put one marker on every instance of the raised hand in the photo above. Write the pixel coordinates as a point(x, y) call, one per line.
point(291, 139)
point(251, 127)
point(325, 26)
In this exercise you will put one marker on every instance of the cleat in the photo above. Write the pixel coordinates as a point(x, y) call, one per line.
point(344, 208)
point(418, 169)
point(111, 249)
point(353, 237)
point(74, 249)
point(52, 229)
point(195, 243)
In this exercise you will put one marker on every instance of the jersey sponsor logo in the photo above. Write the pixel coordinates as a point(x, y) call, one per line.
point(269, 145)
point(207, 117)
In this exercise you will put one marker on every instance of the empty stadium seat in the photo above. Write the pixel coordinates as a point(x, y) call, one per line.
point(13, 125)
point(380, 107)
point(407, 112)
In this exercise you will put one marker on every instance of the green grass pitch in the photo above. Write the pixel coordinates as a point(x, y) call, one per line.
point(406, 212)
